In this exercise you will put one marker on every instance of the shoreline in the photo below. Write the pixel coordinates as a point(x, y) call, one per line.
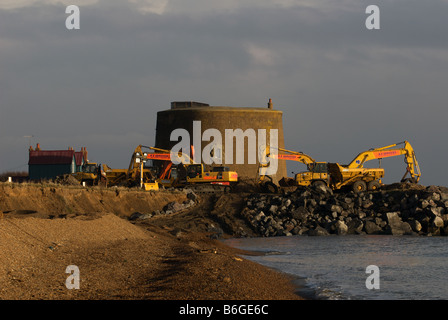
point(217, 271)
point(302, 290)
point(166, 257)
point(122, 261)
point(179, 255)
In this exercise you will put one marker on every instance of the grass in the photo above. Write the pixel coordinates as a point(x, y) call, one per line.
point(17, 175)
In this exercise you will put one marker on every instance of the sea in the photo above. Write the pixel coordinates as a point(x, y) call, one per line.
point(357, 267)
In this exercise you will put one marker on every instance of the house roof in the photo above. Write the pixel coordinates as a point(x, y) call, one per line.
point(55, 157)
point(79, 156)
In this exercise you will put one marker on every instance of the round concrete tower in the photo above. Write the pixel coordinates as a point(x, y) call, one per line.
point(239, 129)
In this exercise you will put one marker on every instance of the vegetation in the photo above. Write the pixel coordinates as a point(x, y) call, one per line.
point(17, 176)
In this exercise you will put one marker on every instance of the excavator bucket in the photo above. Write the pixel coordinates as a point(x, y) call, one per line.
point(154, 186)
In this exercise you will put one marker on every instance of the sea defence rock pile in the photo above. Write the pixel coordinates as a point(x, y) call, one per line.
point(400, 209)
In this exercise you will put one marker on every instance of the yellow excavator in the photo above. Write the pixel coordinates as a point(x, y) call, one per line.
point(353, 175)
point(135, 175)
point(265, 181)
point(191, 174)
point(187, 173)
point(370, 179)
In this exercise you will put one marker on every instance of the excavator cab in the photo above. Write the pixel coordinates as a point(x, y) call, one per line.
point(317, 171)
point(90, 168)
point(318, 167)
point(194, 170)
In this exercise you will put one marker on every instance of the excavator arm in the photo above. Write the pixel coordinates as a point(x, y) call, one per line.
point(135, 155)
point(165, 155)
point(281, 154)
point(290, 155)
point(293, 156)
point(407, 150)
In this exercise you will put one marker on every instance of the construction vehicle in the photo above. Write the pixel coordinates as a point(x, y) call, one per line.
point(353, 175)
point(90, 174)
point(191, 174)
point(370, 179)
point(135, 175)
point(268, 185)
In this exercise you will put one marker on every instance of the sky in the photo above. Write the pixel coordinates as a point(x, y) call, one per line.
point(342, 87)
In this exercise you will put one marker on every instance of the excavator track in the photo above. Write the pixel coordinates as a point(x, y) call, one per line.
point(209, 188)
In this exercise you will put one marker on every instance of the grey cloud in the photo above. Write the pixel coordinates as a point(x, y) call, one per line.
point(342, 88)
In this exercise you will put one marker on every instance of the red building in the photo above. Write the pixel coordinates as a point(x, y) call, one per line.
point(48, 164)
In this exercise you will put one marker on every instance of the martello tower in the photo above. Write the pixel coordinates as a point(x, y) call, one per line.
point(183, 115)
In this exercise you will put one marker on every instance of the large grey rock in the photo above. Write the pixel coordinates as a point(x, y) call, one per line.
point(437, 211)
point(415, 225)
point(140, 216)
point(273, 209)
point(192, 196)
point(367, 204)
point(355, 226)
point(341, 228)
point(406, 227)
point(318, 231)
point(396, 226)
point(260, 216)
point(371, 227)
point(438, 222)
point(300, 214)
point(324, 189)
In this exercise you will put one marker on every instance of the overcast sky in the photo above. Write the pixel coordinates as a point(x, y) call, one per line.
point(342, 88)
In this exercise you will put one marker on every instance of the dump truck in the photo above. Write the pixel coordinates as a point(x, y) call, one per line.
point(190, 174)
point(354, 175)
